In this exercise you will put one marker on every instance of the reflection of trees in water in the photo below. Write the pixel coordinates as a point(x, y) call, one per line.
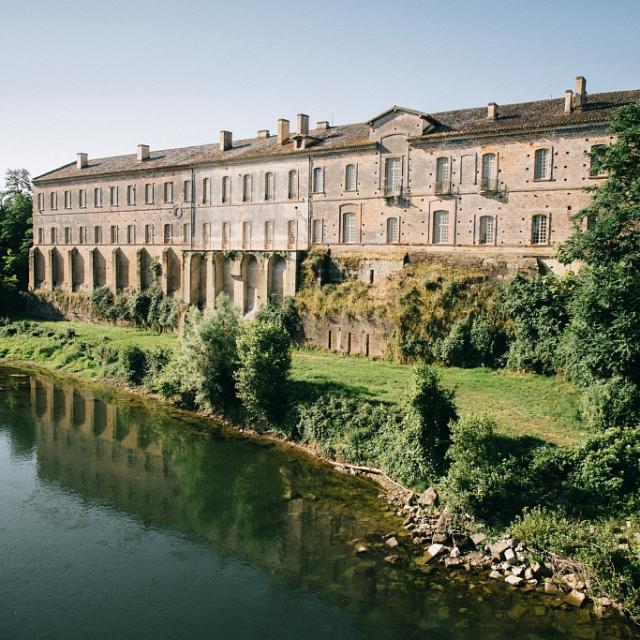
point(263, 504)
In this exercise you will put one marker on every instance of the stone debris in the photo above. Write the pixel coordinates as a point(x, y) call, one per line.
point(361, 549)
point(575, 598)
point(392, 542)
point(392, 559)
point(512, 580)
point(435, 550)
point(496, 575)
point(428, 498)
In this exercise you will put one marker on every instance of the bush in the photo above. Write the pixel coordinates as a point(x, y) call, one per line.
point(264, 360)
point(101, 302)
point(139, 304)
point(429, 409)
point(611, 403)
point(203, 372)
point(131, 365)
point(285, 312)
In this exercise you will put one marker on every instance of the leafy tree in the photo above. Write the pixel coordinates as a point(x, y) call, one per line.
point(15, 234)
point(602, 337)
point(264, 356)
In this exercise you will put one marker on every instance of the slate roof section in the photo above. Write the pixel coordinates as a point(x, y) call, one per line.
point(521, 116)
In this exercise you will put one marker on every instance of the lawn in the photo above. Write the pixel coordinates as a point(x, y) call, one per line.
point(528, 404)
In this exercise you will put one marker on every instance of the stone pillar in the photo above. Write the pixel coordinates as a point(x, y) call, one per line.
point(49, 269)
point(164, 279)
point(139, 281)
point(32, 268)
point(264, 277)
point(92, 269)
point(211, 271)
point(114, 270)
point(187, 295)
point(68, 285)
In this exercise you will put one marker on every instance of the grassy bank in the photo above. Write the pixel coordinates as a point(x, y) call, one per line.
point(521, 404)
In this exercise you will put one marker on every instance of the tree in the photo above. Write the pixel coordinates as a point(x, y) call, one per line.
point(264, 355)
point(602, 337)
point(16, 209)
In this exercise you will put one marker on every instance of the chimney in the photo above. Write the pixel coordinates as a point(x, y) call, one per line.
point(492, 111)
point(143, 152)
point(226, 140)
point(322, 124)
point(263, 133)
point(303, 124)
point(82, 161)
point(283, 131)
point(581, 92)
point(568, 101)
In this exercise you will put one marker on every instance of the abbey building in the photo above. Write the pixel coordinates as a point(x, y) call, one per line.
point(239, 215)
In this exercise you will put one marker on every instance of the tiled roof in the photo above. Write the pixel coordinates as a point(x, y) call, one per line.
point(511, 117)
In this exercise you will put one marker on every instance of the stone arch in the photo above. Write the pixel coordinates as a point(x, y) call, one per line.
point(99, 269)
point(198, 278)
point(174, 275)
point(122, 270)
point(39, 268)
point(277, 272)
point(227, 277)
point(77, 270)
point(251, 282)
point(57, 268)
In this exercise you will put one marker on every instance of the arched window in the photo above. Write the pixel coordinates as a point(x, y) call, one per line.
point(349, 228)
point(392, 230)
point(246, 187)
point(269, 185)
point(539, 229)
point(487, 230)
point(443, 182)
point(350, 178)
point(440, 227)
point(489, 172)
point(293, 184)
point(542, 165)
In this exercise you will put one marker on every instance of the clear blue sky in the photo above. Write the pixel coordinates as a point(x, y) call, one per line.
point(103, 76)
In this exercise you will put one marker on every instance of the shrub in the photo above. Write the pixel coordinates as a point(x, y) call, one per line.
point(429, 409)
point(285, 312)
point(139, 304)
point(131, 365)
point(101, 302)
point(264, 360)
point(204, 369)
point(611, 403)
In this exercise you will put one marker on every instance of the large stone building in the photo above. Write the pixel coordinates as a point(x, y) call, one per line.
point(237, 216)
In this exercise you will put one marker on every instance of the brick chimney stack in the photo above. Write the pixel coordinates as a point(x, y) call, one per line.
point(226, 140)
point(82, 161)
point(143, 152)
point(283, 131)
point(568, 101)
point(492, 111)
point(303, 124)
point(581, 92)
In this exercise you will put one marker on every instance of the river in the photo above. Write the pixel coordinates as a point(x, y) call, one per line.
point(123, 518)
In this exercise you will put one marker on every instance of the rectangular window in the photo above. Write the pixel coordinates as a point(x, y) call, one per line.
point(97, 235)
point(148, 234)
point(131, 194)
point(291, 234)
point(82, 235)
point(206, 234)
point(441, 227)
point(53, 235)
point(268, 234)
point(148, 193)
point(67, 199)
point(168, 191)
point(542, 165)
point(318, 180)
point(393, 231)
point(186, 233)
point(206, 188)
point(246, 188)
point(168, 234)
point(97, 197)
point(246, 235)
point(539, 229)
point(40, 235)
point(393, 176)
point(67, 235)
point(443, 179)
point(40, 201)
point(293, 184)
point(82, 198)
point(131, 234)
point(54, 200)
point(489, 182)
point(350, 178)
point(187, 195)
point(595, 169)
point(113, 196)
point(269, 185)
point(487, 233)
point(226, 189)
point(226, 234)
point(348, 227)
point(114, 234)
point(316, 231)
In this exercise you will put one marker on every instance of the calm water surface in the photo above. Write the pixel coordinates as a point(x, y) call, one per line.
point(122, 519)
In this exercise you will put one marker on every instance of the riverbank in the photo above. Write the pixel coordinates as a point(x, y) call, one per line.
point(70, 348)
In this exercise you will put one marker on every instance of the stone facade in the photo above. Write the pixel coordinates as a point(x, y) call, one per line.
point(239, 215)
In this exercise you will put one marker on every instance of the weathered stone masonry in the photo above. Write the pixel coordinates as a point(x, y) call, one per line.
point(238, 216)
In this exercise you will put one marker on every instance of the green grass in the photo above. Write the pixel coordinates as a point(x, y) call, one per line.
point(519, 403)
